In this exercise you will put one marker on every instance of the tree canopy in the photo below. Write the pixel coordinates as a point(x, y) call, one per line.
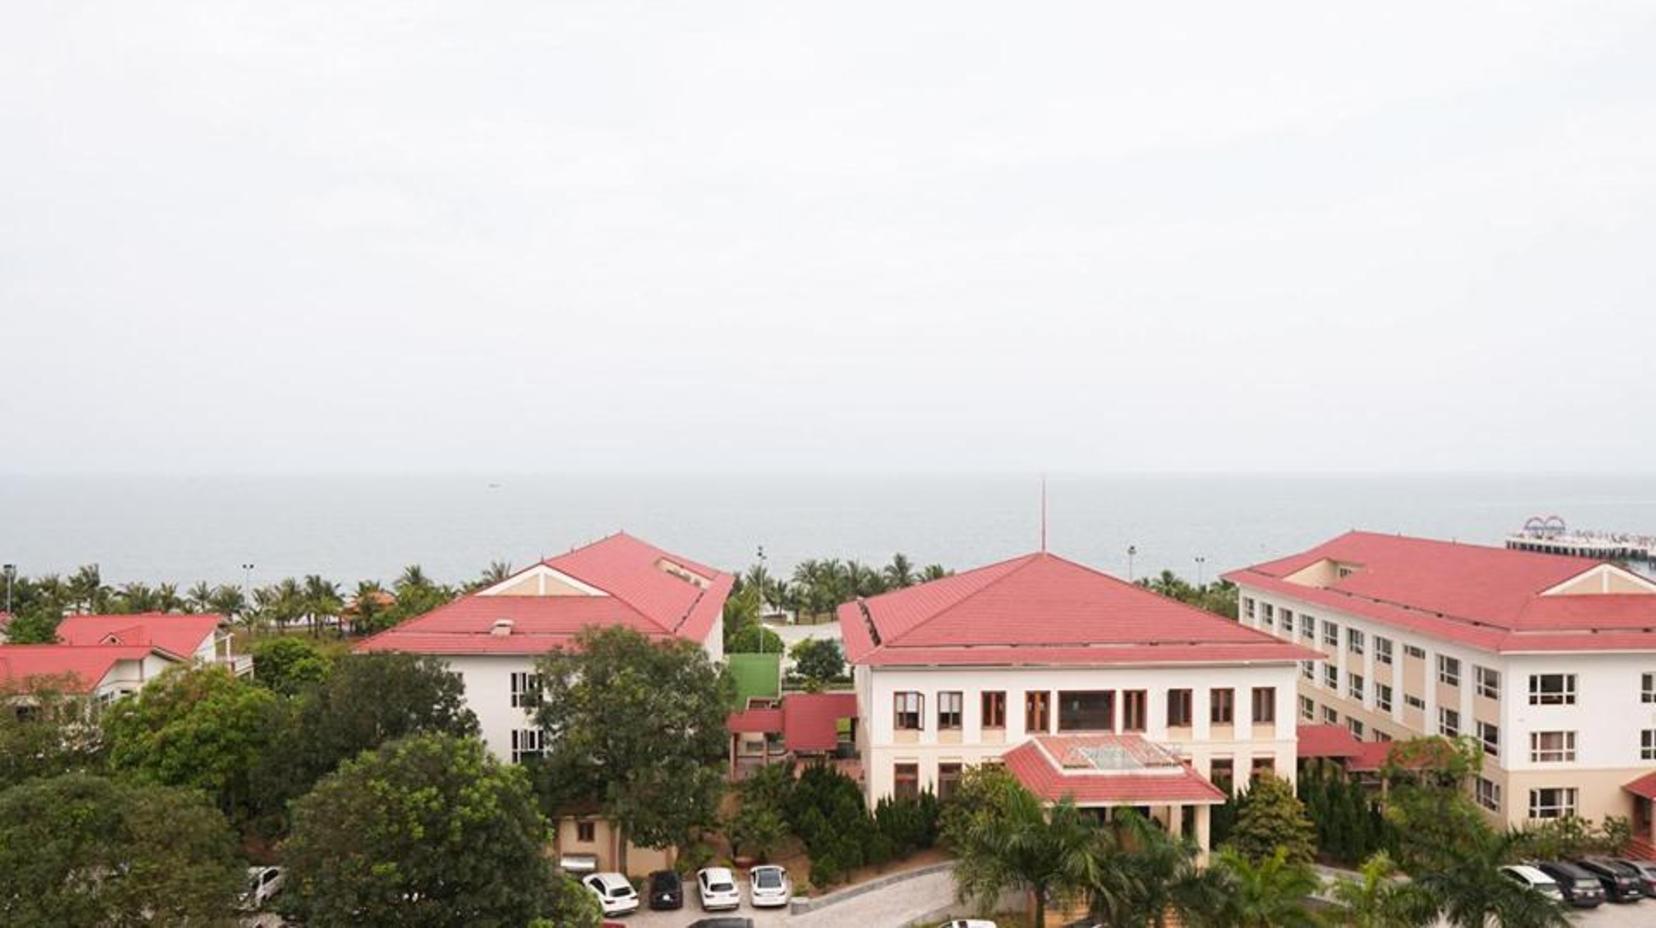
point(426, 832)
point(1270, 818)
point(287, 665)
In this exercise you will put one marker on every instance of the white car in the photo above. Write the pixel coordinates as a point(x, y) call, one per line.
point(1534, 879)
point(615, 893)
point(768, 886)
point(717, 886)
point(262, 883)
point(970, 923)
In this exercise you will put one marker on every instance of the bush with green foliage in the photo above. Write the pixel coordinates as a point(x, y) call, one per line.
point(80, 849)
point(818, 661)
point(1271, 818)
point(286, 664)
point(49, 740)
point(428, 832)
point(1351, 826)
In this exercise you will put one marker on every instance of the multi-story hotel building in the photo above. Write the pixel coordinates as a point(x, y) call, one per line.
point(1549, 661)
point(1082, 684)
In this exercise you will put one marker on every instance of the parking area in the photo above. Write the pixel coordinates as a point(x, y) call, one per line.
point(886, 907)
point(1612, 915)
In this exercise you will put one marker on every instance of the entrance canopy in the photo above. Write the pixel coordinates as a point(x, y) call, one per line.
point(1108, 770)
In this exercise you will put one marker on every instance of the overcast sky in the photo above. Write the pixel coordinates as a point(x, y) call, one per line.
point(307, 236)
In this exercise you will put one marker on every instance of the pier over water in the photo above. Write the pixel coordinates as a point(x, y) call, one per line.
point(1549, 535)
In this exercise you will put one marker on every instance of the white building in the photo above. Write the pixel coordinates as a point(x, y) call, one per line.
point(110, 656)
point(1083, 684)
point(493, 637)
point(1549, 661)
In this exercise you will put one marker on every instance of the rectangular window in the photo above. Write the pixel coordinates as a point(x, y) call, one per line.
point(1331, 677)
point(1414, 702)
point(1647, 687)
point(1354, 640)
point(1356, 728)
point(1287, 623)
point(949, 709)
point(1382, 650)
point(1331, 716)
point(1222, 706)
point(1270, 613)
point(1552, 747)
point(1552, 689)
point(1490, 735)
point(1647, 744)
point(1382, 697)
point(1308, 627)
point(1331, 634)
point(1222, 773)
point(994, 709)
point(526, 743)
point(1086, 710)
point(1489, 794)
point(1261, 766)
point(1552, 802)
point(1308, 708)
point(905, 781)
point(586, 832)
point(1037, 711)
point(1248, 606)
point(1418, 654)
point(1448, 670)
point(1489, 681)
point(948, 779)
point(1308, 669)
point(1134, 710)
point(526, 690)
point(909, 708)
point(1354, 686)
point(1448, 722)
point(1264, 704)
point(1381, 736)
point(1179, 713)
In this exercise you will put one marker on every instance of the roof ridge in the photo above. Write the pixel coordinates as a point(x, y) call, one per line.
point(1027, 560)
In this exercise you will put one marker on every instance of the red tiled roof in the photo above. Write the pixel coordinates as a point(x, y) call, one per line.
point(1483, 597)
point(1644, 786)
point(82, 667)
point(755, 722)
point(1326, 741)
point(1371, 756)
point(641, 595)
point(810, 721)
point(1043, 609)
point(176, 634)
point(1037, 765)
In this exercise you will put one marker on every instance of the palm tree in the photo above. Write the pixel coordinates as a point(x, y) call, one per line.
point(199, 598)
point(1144, 874)
point(1377, 899)
point(228, 601)
point(413, 578)
point(136, 597)
point(900, 572)
point(1472, 893)
point(366, 603)
point(86, 589)
point(934, 572)
point(288, 602)
point(167, 598)
point(1270, 894)
point(321, 600)
point(1049, 852)
point(496, 572)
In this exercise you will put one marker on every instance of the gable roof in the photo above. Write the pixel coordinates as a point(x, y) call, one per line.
point(82, 667)
point(1494, 599)
point(1107, 770)
point(177, 634)
point(1041, 609)
point(639, 591)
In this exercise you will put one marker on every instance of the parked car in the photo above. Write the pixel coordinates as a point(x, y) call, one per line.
point(615, 892)
point(666, 890)
point(769, 886)
point(1621, 883)
point(262, 883)
point(727, 921)
point(1647, 873)
point(1533, 878)
point(1580, 888)
point(717, 886)
point(970, 923)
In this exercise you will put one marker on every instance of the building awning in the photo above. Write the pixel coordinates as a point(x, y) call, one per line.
point(1644, 786)
point(1326, 741)
point(755, 722)
point(1108, 770)
point(810, 721)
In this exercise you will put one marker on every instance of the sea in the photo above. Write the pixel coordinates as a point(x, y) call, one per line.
point(348, 528)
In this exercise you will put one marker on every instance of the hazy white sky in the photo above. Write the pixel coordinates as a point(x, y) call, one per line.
point(309, 236)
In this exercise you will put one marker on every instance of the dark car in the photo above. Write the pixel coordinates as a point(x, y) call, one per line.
point(1647, 873)
point(1621, 882)
point(729, 921)
point(1580, 888)
point(666, 890)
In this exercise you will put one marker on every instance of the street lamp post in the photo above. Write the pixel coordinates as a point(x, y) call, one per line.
point(247, 585)
point(1131, 550)
point(759, 597)
point(1201, 562)
point(11, 572)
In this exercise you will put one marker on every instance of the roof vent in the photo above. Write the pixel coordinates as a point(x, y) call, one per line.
point(501, 628)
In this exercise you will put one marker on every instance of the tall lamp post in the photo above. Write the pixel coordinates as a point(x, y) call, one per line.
point(1131, 550)
point(1201, 563)
point(11, 573)
point(247, 586)
point(759, 598)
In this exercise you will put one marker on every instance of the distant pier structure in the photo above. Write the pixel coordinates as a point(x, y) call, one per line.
point(1549, 535)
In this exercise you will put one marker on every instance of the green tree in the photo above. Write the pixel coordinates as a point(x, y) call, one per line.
point(1144, 875)
point(637, 726)
point(1471, 892)
point(757, 828)
point(1434, 819)
point(195, 726)
point(572, 906)
point(426, 831)
point(287, 665)
point(1019, 843)
point(1271, 817)
point(48, 740)
point(1270, 893)
point(899, 573)
point(1376, 899)
point(80, 849)
point(819, 660)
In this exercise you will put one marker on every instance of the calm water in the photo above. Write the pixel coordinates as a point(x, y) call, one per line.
point(347, 528)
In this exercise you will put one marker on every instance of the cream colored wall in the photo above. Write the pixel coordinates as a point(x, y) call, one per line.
point(1322, 573)
point(641, 861)
point(1599, 793)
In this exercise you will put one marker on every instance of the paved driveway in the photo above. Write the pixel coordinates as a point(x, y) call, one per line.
point(886, 907)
